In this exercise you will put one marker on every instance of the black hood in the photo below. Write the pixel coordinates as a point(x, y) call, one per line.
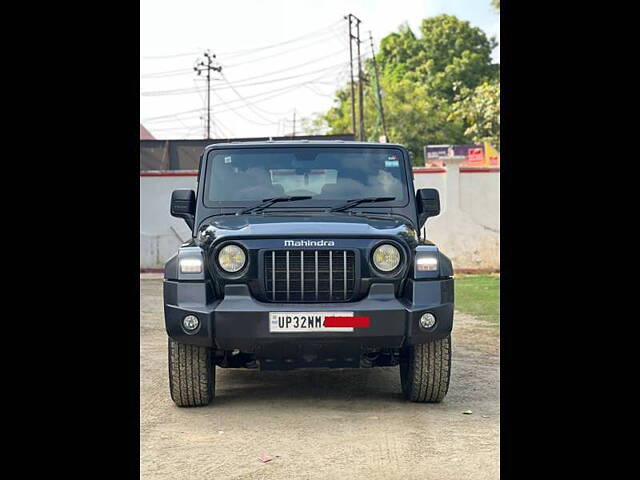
point(325, 225)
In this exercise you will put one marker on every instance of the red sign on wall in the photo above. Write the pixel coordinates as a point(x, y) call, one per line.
point(475, 157)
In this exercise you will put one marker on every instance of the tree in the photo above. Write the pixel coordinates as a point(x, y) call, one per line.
point(314, 125)
point(422, 80)
point(480, 110)
point(449, 51)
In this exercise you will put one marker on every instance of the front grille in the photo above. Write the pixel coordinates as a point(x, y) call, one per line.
point(309, 275)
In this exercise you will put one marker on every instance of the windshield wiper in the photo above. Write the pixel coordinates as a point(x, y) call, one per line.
point(267, 202)
point(358, 201)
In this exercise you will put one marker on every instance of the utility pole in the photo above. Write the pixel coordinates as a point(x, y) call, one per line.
point(375, 69)
point(294, 123)
point(199, 68)
point(353, 94)
point(360, 99)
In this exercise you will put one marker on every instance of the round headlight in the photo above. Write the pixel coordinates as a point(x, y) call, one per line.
point(232, 258)
point(386, 258)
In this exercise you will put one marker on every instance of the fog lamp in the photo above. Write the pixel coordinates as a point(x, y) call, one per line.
point(190, 323)
point(427, 320)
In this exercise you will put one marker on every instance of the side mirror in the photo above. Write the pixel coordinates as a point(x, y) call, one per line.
point(183, 205)
point(428, 200)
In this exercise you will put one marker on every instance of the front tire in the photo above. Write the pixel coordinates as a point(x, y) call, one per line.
point(192, 374)
point(425, 370)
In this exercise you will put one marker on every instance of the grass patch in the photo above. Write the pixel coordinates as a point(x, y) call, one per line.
point(479, 295)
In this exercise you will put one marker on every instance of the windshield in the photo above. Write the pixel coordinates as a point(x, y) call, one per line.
point(328, 175)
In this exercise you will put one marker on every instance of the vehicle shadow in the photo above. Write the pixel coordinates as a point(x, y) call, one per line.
point(316, 385)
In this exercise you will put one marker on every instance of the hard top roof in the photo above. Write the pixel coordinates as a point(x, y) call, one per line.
point(302, 143)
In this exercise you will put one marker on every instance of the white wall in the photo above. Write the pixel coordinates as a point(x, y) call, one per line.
point(160, 233)
point(467, 230)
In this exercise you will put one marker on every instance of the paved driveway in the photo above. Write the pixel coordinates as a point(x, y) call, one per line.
point(320, 423)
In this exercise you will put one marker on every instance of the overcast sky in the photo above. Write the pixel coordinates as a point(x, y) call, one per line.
point(277, 57)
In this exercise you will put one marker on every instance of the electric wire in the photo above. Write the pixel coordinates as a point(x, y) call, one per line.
point(234, 105)
point(286, 42)
point(267, 57)
point(260, 96)
point(189, 90)
point(176, 55)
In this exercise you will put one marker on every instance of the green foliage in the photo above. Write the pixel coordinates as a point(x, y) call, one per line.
point(339, 116)
point(315, 125)
point(449, 51)
point(496, 4)
point(480, 110)
point(415, 117)
point(424, 81)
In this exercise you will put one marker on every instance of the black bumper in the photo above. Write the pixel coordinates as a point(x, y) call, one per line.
point(238, 321)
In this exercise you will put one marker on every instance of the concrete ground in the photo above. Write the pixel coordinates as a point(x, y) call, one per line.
point(322, 423)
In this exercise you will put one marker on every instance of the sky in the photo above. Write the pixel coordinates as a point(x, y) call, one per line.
point(281, 59)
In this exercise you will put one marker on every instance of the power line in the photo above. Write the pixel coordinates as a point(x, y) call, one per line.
point(235, 110)
point(316, 92)
point(290, 77)
point(174, 119)
point(320, 32)
point(294, 67)
point(286, 42)
point(170, 73)
point(266, 57)
point(167, 129)
point(276, 92)
point(175, 91)
point(186, 71)
point(170, 115)
point(249, 105)
point(226, 131)
point(176, 55)
point(280, 91)
point(188, 90)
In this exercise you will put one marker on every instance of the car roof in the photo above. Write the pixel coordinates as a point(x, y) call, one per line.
point(302, 143)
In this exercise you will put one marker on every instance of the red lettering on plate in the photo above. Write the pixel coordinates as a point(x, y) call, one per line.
point(356, 322)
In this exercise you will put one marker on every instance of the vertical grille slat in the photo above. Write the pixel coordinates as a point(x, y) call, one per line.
point(316, 255)
point(330, 274)
point(345, 272)
point(287, 275)
point(290, 275)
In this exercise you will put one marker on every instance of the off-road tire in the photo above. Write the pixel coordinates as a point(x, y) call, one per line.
point(425, 370)
point(192, 374)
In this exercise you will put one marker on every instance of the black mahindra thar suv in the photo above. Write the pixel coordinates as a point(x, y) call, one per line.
point(307, 254)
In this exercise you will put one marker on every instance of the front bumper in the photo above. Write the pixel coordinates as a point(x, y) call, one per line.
point(239, 321)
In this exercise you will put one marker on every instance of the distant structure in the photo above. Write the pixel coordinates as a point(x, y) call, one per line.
point(145, 134)
point(185, 154)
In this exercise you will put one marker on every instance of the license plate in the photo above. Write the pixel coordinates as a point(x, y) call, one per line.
point(293, 322)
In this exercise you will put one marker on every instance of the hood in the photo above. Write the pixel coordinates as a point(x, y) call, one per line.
point(304, 226)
